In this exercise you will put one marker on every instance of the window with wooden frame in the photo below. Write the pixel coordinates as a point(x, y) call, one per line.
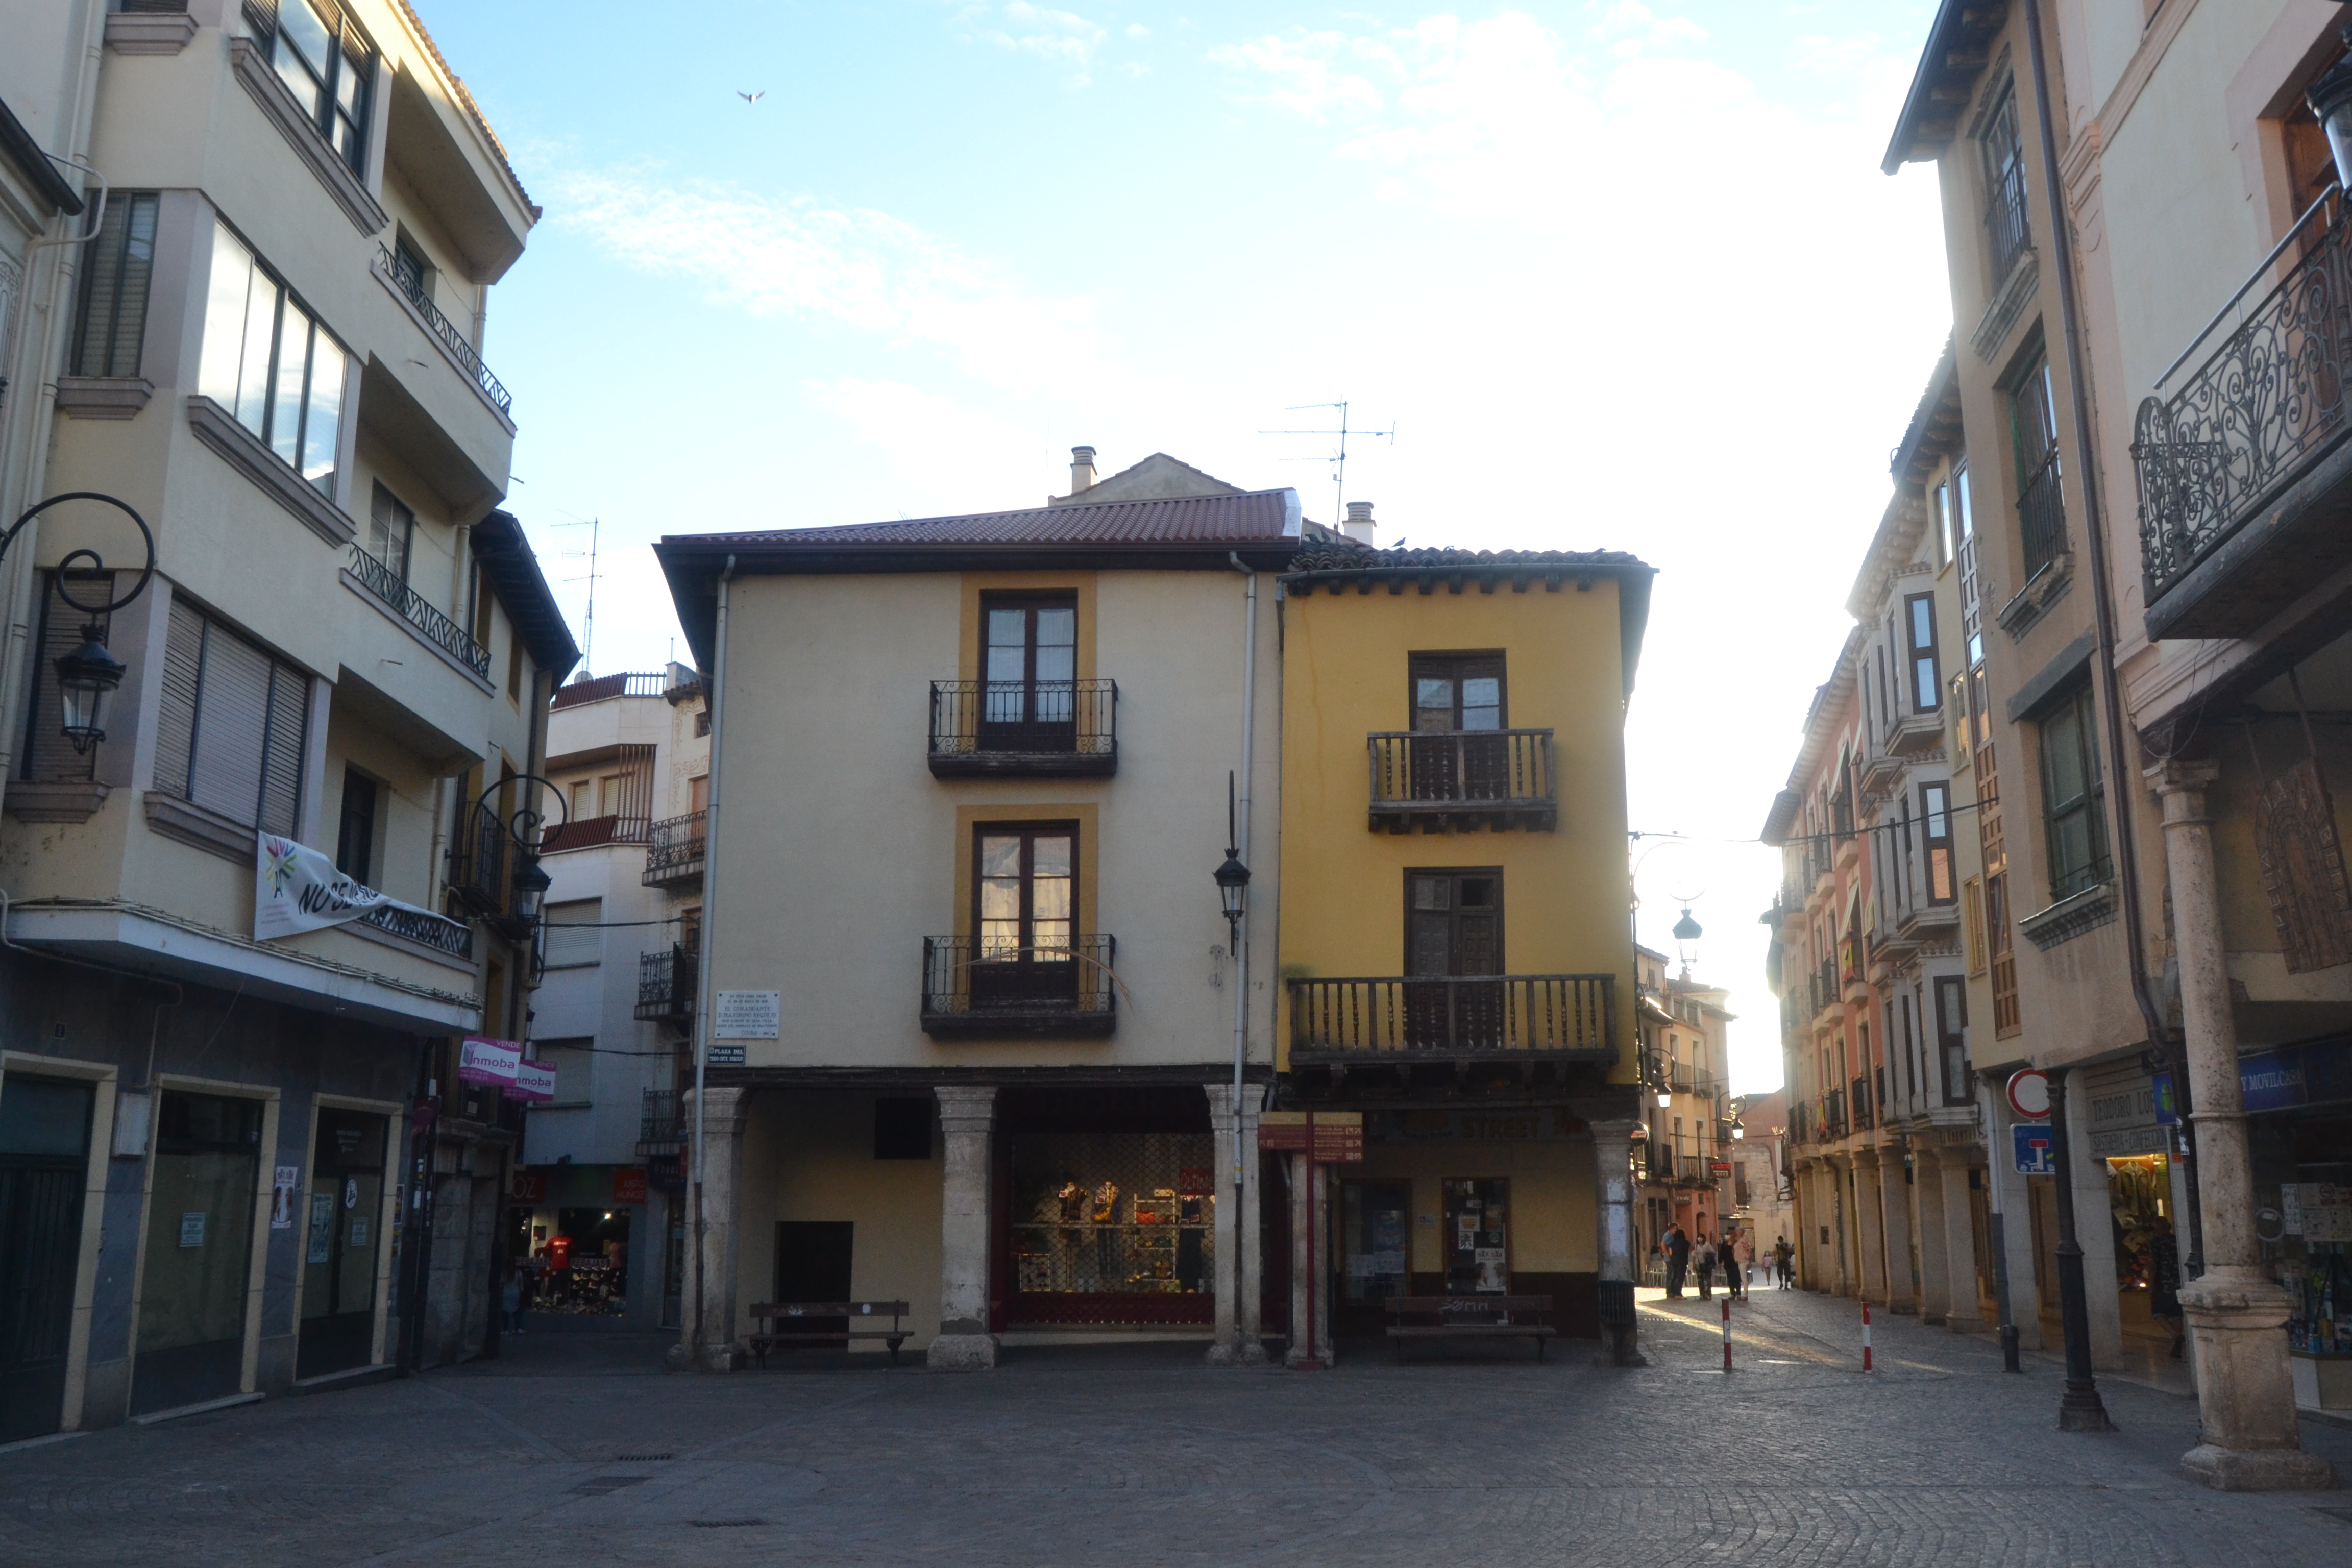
point(355, 833)
point(1456, 691)
point(1951, 1037)
point(1936, 840)
point(112, 317)
point(2003, 151)
point(2041, 504)
point(2074, 804)
point(1024, 913)
point(1973, 904)
point(1453, 929)
point(1925, 665)
point(1029, 662)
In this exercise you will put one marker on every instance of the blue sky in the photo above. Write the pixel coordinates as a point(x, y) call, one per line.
point(1622, 276)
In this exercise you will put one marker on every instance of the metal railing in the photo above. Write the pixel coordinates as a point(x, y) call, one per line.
point(1043, 717)
point(1826, 990)
point(2005, 220)
point(666, 983)
point(1834, 1115)
point(2041, 517)
point(1455, 1014)
point(452, 937)
point(588, 832)
point(964, 980)
point(628, 684)
point(1691, 1169)
point(411, 607)
point(661, 1124)
point(675, 848)
point(1463, 767)
point(412, 288)
point(2258, 411)
point(1861, 1102)
point(477, 861)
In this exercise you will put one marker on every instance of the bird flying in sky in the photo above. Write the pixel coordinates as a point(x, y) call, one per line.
point(753, 96)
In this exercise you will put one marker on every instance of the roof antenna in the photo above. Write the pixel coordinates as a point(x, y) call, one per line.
point(594, 525)
point(1338, 457)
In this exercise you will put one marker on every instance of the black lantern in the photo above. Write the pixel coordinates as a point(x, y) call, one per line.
point(86, 681)
point(2330, 98)
point(1233, 886)
point(531, 885)
point(1687, 934)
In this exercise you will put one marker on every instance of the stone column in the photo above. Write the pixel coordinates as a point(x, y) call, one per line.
point(1894, 1217)
point(1309, 1210)
point(1612, 1185)
point(1965, 1313)
point(1239, 1341)
point(2246, 1396)
point(1939, 1287)
point(967, 1116)
point(713, 1340)
point(1870, 1227)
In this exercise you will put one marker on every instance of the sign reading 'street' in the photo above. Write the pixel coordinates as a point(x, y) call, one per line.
point(296, 889)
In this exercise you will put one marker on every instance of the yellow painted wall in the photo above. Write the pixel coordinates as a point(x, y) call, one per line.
point(1566, 897)
point(1551, 1199)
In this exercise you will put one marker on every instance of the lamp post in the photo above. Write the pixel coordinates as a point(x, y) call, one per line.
point(89, 675)
point(526, 828)
point(1687, 934)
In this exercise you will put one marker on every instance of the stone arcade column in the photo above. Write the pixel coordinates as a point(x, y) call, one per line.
point(1965, 1315)
point(1311, 1211)
point(2245, 1395)
point(1870, 1227)
point(713, 1344)
point(1894, 1217)
point(1240, 1329)
point(967, 1116)
point(1612, 1185)
point(1939, 1287)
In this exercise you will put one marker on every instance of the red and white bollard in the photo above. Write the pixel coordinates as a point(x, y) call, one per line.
point(1727, 1334)
point(1865, 1334)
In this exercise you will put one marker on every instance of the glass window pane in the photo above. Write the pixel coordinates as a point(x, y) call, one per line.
point(1049, 899)
point(1923, 673)
point(296, 75)
point(286, 402)
point(1000, 899)
point(232, 279)
point(300, 26)
point(999, 855)
point(1923, 621)
point(1056, 663)
point(1051, 940)
point(1000, 938)
point(1056, 628)
point(349, 74)
point(1051, 857)
point(1482, 691)
point(1434, 694)
point(322, 426)
point(1007, 629)
point(1482, 718)
point(260, 332)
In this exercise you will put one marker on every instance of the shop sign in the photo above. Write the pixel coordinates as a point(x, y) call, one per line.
point(2167, 1100)
point(534, 1082)
point(725, 1057)
point(2271, 1080)
point(749, 1016)
point(1336, 1136)
point(2031, 1146)
point(2123, 1115)
point(629, 1184)
point(1194, 1181)
point(529, 1187)
point(484, 1060)
point(192, 1229)
point(1476, 1126)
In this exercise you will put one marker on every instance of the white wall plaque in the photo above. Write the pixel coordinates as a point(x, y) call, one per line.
point(749, 1016)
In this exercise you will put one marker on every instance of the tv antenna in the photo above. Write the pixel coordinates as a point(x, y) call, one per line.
point(595, 527)
point(1338, 457)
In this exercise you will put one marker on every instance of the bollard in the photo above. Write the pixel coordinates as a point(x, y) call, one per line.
point(1865, 1333)
point(1727, 1334)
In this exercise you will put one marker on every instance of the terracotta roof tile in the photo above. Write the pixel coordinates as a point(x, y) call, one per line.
point(1252, 517)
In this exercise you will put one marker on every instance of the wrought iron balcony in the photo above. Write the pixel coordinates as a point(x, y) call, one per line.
point(666, 984)
point(2005, 220)
point(971, 990)
point(674, 850)
point(1861, 1103)
point(1043, 728)
point(1455, 1018)
point(452, 937)
point(477, 863)
point(1833, 1116)
point(1450, 780)
point(2245, 476)
point(411, 607)
point(412, 288)
point(661, 1126)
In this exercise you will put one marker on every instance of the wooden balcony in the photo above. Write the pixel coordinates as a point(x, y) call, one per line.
point(1057, 994)
point(1454, 1019)
point(1453, 781)
point(1046, 729)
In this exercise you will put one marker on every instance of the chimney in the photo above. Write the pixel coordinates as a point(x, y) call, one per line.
point(1081, 468)
point(1360, 526)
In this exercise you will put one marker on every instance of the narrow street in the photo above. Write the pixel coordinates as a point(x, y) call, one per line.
point(578, 1450)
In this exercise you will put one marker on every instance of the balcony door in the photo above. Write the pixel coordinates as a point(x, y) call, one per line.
point(1453, 933)
point(1029, 661)
point(1025, 916)
point(1458, 753)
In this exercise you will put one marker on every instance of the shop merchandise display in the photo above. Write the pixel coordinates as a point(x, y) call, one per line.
point(1113, 1213)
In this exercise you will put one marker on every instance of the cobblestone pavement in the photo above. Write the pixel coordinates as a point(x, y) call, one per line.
point(569, 1452)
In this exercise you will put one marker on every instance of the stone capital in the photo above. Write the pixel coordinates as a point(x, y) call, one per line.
point(722, 1110)
point(1609, 1129)
point(2187, 780)
point(966, 1108)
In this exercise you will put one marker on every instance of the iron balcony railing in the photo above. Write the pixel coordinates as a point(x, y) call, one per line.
point(1454, 1015)
point(2041, 517)
point(445, 935)
point(674, 849)
point(1834, 1115)
point(2257, 411)
point(1862, 1104)
point(2005, 220)
point(1065, 727)
point(661, 1124)
point(972, 988)
point(1488, 772)
point(666, 983)
point(588, 832)
point(411, 288)
point(1826, 991)
point(598, 688)
point(411, 607)
point(477, 862)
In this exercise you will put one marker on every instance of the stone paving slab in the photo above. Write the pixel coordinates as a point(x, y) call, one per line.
point(1141, 1455)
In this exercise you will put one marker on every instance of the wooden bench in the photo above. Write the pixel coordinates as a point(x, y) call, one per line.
point(1470, 1318)
point(787, 1324)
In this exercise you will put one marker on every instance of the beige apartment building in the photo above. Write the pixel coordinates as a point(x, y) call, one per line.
point(2144, 254)
point(1684, 1153)
point(238, 1156)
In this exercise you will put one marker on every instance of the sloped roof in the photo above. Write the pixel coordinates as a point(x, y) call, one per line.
point(1158, 475)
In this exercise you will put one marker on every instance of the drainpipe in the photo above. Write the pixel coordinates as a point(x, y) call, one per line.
point(1241, 846)
point(705, 968)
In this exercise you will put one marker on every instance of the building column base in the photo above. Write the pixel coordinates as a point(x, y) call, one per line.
point(2245, 1394)
point(1242, 1350)
point(1296, 1359)
point(952, 1351)
point(2257, 1469)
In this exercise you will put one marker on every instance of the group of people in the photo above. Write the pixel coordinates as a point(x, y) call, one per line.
point(1734, 1253)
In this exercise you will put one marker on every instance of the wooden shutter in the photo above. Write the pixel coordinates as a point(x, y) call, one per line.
point(175, 730)
point(49, 757)
point(232, 728)
point(281, 759)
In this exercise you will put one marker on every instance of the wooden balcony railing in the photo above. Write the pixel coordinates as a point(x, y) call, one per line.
point(1456, 1017)
point(1440, 780)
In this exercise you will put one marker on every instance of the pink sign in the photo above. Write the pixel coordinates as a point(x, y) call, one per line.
point(481, 1060)
point(534, 1082)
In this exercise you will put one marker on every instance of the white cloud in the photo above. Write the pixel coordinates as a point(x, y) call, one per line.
point(1063, 38)
point(941, 453)
point(849, 269)
point(1306, 73)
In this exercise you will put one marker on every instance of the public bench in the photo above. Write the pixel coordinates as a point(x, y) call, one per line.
point(1469, 1318)
point(786, 1323)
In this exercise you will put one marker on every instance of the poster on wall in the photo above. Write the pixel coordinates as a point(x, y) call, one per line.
point(484, 1060)
point(534, 1082)
point(282, 1196)
point(296, 888)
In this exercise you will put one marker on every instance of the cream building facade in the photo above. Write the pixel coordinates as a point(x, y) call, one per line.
point(261, 332)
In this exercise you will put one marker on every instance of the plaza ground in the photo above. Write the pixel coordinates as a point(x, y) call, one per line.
point(576, 1450)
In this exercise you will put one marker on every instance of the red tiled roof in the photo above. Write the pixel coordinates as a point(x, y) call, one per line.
point(1252, 517)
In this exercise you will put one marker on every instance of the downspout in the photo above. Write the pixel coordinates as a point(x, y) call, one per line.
point(2062, 243)
point(1242, 847)
point(706, 969)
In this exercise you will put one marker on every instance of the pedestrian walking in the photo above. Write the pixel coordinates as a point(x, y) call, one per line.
point(1743, 1252)
point(1784, 1258)
point(1703, 1259)
point(510, 1299)
point(1678, 1251)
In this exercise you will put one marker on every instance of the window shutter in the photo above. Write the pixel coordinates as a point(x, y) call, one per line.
point(574, 936)
point(175, 730)
point(49, 757)
point(232, 728)
point(281, 760)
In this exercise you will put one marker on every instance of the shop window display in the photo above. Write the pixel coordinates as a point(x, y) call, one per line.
point(1112, 1227)
point(2303, 1215)
point(1477, 1249)
point(583, 1268)
point(1378, 1219)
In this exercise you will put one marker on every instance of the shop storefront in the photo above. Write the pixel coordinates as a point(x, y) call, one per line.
point(2299, 1103)
point(45, 1127)
point(196, 1278)
point(2132, 1121)
point(344, 1249)
point(577, 1230)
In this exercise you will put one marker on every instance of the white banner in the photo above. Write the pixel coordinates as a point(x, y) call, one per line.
point(296, 889)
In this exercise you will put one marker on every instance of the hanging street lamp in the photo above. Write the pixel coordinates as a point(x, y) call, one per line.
point(1687, 934)
point(89, 675)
